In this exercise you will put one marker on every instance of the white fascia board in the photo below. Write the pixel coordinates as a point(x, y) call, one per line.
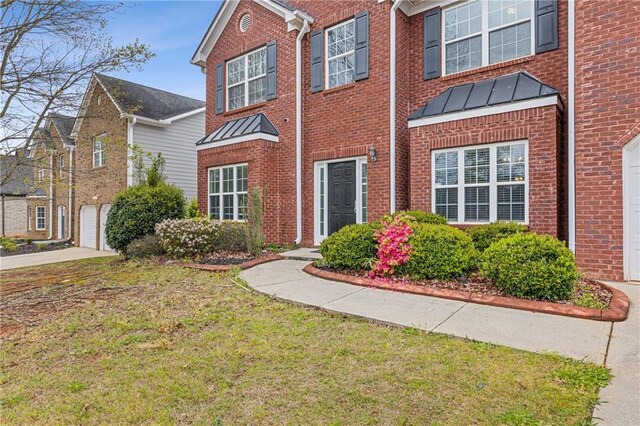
point(84, 105)
point(145, 120)
point(483, 112)
point(238, 139)
point(414, 7)
point(184, 115)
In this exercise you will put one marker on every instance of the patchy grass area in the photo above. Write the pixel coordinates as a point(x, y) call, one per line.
point(186, 346)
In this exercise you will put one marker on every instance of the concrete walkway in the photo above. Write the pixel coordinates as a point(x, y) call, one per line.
point(572, 337)
point(54, 256)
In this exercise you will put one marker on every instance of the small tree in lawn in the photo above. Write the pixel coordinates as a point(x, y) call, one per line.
point(255, 233)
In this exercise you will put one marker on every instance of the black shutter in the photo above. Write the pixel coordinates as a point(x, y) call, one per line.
point(316, 61)
point(272, 90)
point(432, 35)
point(220, 88)
point(546, 25)
point(362, 46)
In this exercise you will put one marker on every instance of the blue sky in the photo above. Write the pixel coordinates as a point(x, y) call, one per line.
point(173, 30)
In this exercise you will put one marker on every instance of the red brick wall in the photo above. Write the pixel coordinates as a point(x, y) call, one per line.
point(540, 126)
point(607, 117)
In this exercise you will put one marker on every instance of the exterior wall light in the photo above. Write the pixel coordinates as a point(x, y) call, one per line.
point(373, 154)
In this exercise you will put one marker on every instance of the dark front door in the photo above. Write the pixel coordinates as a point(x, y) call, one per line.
point(342, 195)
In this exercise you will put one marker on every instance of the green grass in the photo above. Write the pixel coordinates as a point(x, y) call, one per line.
point(186, 346)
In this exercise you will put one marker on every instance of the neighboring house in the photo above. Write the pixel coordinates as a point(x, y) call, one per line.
point(15, 175)
point(525, 110)
point(50, 198)
point(115, 116)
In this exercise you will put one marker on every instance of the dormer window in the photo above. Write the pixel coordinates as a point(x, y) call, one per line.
point(247, 79)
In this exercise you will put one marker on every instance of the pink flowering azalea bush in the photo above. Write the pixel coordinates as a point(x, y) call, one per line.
point(394, 248)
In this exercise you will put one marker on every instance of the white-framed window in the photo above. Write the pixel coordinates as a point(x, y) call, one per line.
point(29, 218)
point(228, 188)
point(321, 195)
point(61, 162)
point(478, 33)
point(41, 221)
point(340, 54)
point(481, 183)
point(247, 79)
point(99, 151)
point(41, 174)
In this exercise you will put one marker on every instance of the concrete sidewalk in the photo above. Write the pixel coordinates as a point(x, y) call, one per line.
point(54, 256)
point(572, 337)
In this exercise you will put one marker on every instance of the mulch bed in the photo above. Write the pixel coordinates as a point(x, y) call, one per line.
point(223, 261)
point(33, 248)
point(478, 290)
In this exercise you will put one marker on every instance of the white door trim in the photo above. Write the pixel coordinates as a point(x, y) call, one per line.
point(627, 213)
point(318, 236)
point(61, 222)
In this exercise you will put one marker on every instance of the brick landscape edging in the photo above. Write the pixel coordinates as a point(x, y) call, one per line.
point(225, 268)
point(617, 311)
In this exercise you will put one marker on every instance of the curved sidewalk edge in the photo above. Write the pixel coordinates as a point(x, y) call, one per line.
point(617, 311)
point(225, 268)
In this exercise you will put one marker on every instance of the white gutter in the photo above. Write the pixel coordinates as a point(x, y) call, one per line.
point(572, 128)
point(70, 211)
point(392, 106)
point(132, 121)
point(301, 34)
point(51, 195)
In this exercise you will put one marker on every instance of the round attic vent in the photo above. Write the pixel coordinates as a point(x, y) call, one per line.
point(245, 22)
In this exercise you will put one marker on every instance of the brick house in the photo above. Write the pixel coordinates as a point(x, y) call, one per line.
point(50, 197)
point(480, 110)
point(116, 116)
point(16, 175)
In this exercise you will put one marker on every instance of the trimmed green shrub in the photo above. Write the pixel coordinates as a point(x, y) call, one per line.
point(425, 217)
point(187, 237)
point(147, 246)
point(8, 244)
point(485, 235)
point(351, 247)
point(439, 252)
point(231, 236)
point(136, 211)
point(193, 212)
point(531, 266)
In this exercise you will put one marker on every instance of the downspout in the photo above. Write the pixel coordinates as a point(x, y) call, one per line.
point(3, 227)
point(51, 195)
point(301, 34)
point(572, 128)
point(70, 209)
point(392, 106)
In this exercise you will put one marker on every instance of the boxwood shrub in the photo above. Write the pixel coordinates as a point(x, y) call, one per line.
point(136, 210)
point(485, 235)
point(425, 217)
point(147, 246)
point(231, 236)
point(531, 266)
point(351, 247)
point(439, 252)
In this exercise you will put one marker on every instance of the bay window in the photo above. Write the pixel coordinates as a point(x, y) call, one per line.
point(228, 189)
point(480, 184)
point(479, 33)
point(247, 79)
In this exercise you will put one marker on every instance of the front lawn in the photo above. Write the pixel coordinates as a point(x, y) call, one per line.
point(114, 342)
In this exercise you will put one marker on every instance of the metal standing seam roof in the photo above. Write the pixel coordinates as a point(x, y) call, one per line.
point(257, 123)
point(509, 88)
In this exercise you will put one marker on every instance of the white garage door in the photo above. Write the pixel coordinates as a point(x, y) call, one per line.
point(632, 209)
point(104, 210)
point(88, 226)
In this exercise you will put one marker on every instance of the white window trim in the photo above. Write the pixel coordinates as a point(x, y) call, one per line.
point(318, 237)
point(342, 55)
point(44, 218)
point(484, 32)
point(246, 80)
point(29, 218)
point(235, 192)
point(493, 181)
point(61, 162)
point(103, 160)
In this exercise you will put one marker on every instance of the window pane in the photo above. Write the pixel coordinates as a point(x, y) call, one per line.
point(509, 43)
point(242, 178)
point(257, 90)
point(340, 40)
point(447, 168)
point(464, 54)
point(476, 166)
point(214, 207)
point(341, 71)
point(235, 71)
point(242, 206)
point(462, 21)
point(322, 201)
point(227, 207)
point(503, 12)
point(510, 163)
point(214, 181)
point(257, 63)
point(363, 208)
point(236, 97)
point(511, 202)
point(447, 203)
point(476, 204)
point(227, 179)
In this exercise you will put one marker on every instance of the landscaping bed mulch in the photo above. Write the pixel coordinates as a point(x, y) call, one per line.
point(607, 303)
point(35, 248)
point(226, 260)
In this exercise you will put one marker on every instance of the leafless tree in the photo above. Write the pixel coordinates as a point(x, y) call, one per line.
point(49, 51)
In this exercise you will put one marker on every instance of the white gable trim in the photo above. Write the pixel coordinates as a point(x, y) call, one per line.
point(185, 115)
point(238, 139)
point(85, 105)
point(294, 20)
point(482, 112)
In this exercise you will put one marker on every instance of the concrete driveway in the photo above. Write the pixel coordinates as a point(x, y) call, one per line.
point(54, 256)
